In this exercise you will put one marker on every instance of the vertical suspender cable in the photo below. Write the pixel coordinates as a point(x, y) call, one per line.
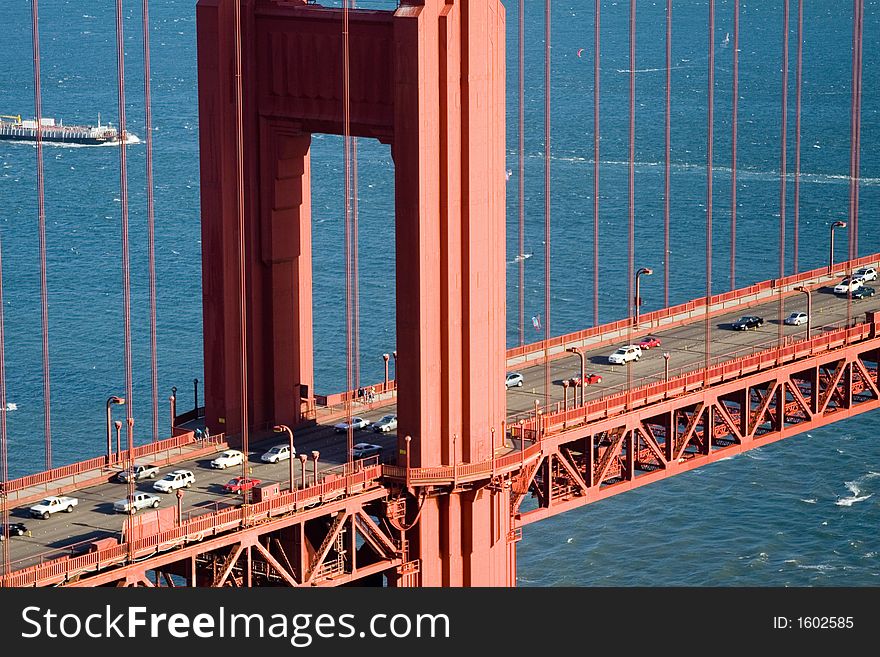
point(242, 278)
point(44, 287)
point(710, 151)
point(355, 283)
point(547, 203)
point(783, 165)
point(346, 111)
point(855, 141)
point(126, 264)
point(631, 241)
point(522, 174)
point(799, 79)
point(733, 143)
point(4, 448)
point(123, 194)
point(596, 167)
point(668, 143)
point(151, 233)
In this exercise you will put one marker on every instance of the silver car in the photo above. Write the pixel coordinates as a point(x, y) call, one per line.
point(136, 502)
point(385, 424)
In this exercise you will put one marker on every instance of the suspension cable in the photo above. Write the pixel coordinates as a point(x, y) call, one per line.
point(522, 175)
point(799, 79)
point(855, 144)
point(4, 447)
point(123, 194)
point(631, 241)
point(242, 280)
point(355, 283)
point(547, 25)
point(668, 144)
point(151, 232)
point(783, 168)
point(710, 151)
point(596, 166)
point(349, 328)
point(733, 143)
point(44, 286)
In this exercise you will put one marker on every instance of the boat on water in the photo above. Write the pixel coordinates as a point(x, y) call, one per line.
point(13, 128)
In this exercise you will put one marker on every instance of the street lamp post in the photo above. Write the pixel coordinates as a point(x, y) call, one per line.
point(394, 356)
point(836, 224)
point(315, 455)
point(279, 428)
point(179, 494)
point(583, 370)
point(647, 271)
point(118, 426)
point(565, 385)
point(196, 396)
point(666, 355)
point(386, 357)
point(110, 402)
point(801, 288)
point(302, 460)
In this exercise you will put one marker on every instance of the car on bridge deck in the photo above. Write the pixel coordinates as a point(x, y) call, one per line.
point(631, 352)
point(241, 484)
point(140, 472)
point(867, 273)
point(385, 424)
point(277, 453)
point(134, 503)
point(357, 423)
point(796, 319)
point(228, 459)
point(50, 505)
point(513, 380)
point(174, 480)
point(589, 380)
point(15, 529)
point(747, 322)
point(848, 285)
point(863, 292)
point(649, 342)
point(363, 450)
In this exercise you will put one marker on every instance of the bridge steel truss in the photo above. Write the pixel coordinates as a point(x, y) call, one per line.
point(590, 461)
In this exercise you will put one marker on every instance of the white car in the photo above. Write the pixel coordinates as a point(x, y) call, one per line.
point(514, 379)
point(277, 453)
point(796, 319)
point(631, 352)
point(228, 459)
point(846, 285)
point(137, 502)
point(356, 424)
point(50, 505)
point(385, 424)
point(866, 273)
point(363, 450)
point(174, 480)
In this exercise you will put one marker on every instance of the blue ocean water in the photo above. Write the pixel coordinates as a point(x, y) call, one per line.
point(801, 512)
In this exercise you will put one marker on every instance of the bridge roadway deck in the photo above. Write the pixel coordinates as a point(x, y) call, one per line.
point(94, 517)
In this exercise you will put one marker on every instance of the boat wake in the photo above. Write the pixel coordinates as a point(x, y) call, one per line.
point(856, 488)
point(11, 406)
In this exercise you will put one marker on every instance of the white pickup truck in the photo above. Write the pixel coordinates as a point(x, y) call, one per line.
point(50, 505)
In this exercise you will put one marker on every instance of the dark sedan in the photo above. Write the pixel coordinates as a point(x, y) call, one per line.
point(748, 322)
point(14, 529)
point(863, 292)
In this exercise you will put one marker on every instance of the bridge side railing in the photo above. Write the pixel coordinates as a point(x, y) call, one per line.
point(101, 462)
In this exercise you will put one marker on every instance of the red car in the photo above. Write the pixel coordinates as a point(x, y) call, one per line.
point(589, 380)
point(649, 342)
point(241, 484)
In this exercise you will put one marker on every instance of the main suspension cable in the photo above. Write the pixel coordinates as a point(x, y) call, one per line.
point(41, 208)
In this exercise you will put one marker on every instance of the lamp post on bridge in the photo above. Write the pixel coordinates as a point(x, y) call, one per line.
point(386, 357)
point(118, 426)
point(565, 385)
point(394, 356)
point(836, 224)
point(647, 271)
point(279, 428)
point(803, 289)
point(583, 369)
point(110, 402)
point(315, 455)
point(302, 460)
point(666, 355)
